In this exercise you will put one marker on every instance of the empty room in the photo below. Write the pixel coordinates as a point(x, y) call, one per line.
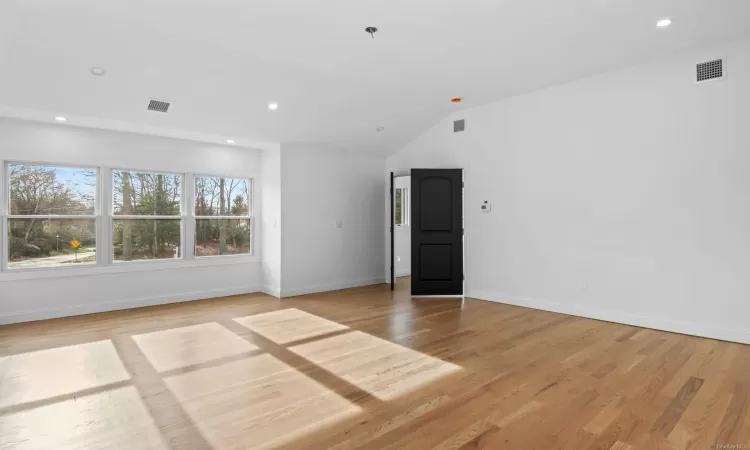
point(379, 225)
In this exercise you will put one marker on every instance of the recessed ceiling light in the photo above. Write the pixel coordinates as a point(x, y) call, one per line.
point(273, 106)
point(98, 71)
point(60, 119)
point(664, 23)
point(230, 141)
point(456, 100)
point(380, 129)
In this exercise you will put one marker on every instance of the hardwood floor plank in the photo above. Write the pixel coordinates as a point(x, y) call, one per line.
point(483, 441)
point(621, 446)
point(365, 368)
point(734, 417)
point(692, 365)
point(669, 418)
point(699, 425)
point(175, 425)
point(610, 410)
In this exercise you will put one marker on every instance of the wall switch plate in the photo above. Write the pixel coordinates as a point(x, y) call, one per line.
point(339, 224)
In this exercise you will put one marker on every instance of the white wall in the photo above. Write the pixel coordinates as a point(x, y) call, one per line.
point(271, 221)
point(321, 185)
point(622, 197)
point(402, 234)
point(43, 294)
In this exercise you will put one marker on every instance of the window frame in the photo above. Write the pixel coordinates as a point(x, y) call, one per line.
point(112, 217)
point(104, 210)
point(6, 216)
point(250, 216)
point(405, 216)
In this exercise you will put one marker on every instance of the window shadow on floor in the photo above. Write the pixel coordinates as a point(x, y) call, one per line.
point(267, 379)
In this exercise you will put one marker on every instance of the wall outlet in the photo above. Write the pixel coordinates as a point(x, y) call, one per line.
point(398, 259)
point(584, 288)
point(339, 224)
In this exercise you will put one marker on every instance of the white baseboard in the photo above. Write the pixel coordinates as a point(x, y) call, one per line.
point(292, 292)
point(77, 310)
point(693, 329)
point(406, 273)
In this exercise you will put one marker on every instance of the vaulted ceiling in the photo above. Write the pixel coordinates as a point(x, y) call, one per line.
point(222, 61)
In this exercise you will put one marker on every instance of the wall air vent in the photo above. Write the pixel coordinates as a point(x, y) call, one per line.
point(158, 105)
point(710, 70)
point(459, 125)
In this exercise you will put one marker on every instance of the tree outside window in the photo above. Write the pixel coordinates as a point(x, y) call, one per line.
point(147, 222)
point(50, 207)
point(223, 224)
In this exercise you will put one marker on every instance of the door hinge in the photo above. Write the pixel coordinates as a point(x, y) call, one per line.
point(463, 277)
point(462, 184)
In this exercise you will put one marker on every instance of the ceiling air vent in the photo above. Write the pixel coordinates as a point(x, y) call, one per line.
point(159, 106)
point(710, 70)
point(459, 125)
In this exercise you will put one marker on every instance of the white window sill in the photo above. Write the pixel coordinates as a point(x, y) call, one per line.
point(122, 267)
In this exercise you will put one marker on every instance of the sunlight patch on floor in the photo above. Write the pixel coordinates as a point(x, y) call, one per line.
point(44, 374)
point(103, 420)
point(289, 325)
point(181, 347)
point(382, 368)
point(256, 402)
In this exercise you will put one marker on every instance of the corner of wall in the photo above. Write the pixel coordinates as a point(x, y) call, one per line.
point(273, 291)
point(332, 214)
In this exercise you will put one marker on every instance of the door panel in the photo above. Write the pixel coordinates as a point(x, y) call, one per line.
point(436, 211)
point(436, 262)
point(437, 231)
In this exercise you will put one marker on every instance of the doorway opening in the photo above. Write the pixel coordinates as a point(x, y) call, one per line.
point(426, 233)
point(402, 227)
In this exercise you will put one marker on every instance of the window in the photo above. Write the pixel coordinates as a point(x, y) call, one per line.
point(51, 216)
point(401, 203)
point(56, 216)
point(147, 221)
point(223, 216)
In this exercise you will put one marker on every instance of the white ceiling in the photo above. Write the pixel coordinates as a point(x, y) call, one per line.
point(222, 61)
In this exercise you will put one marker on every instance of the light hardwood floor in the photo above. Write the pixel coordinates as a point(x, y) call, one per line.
point(364, 368)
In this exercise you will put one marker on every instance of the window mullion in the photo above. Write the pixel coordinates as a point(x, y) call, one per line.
point(4, 242)
point(105, 243)
point(223, 217)
point(5, 199)
point(52, 217)
point(254, 236)
point(188, 215)
point(136, 217)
